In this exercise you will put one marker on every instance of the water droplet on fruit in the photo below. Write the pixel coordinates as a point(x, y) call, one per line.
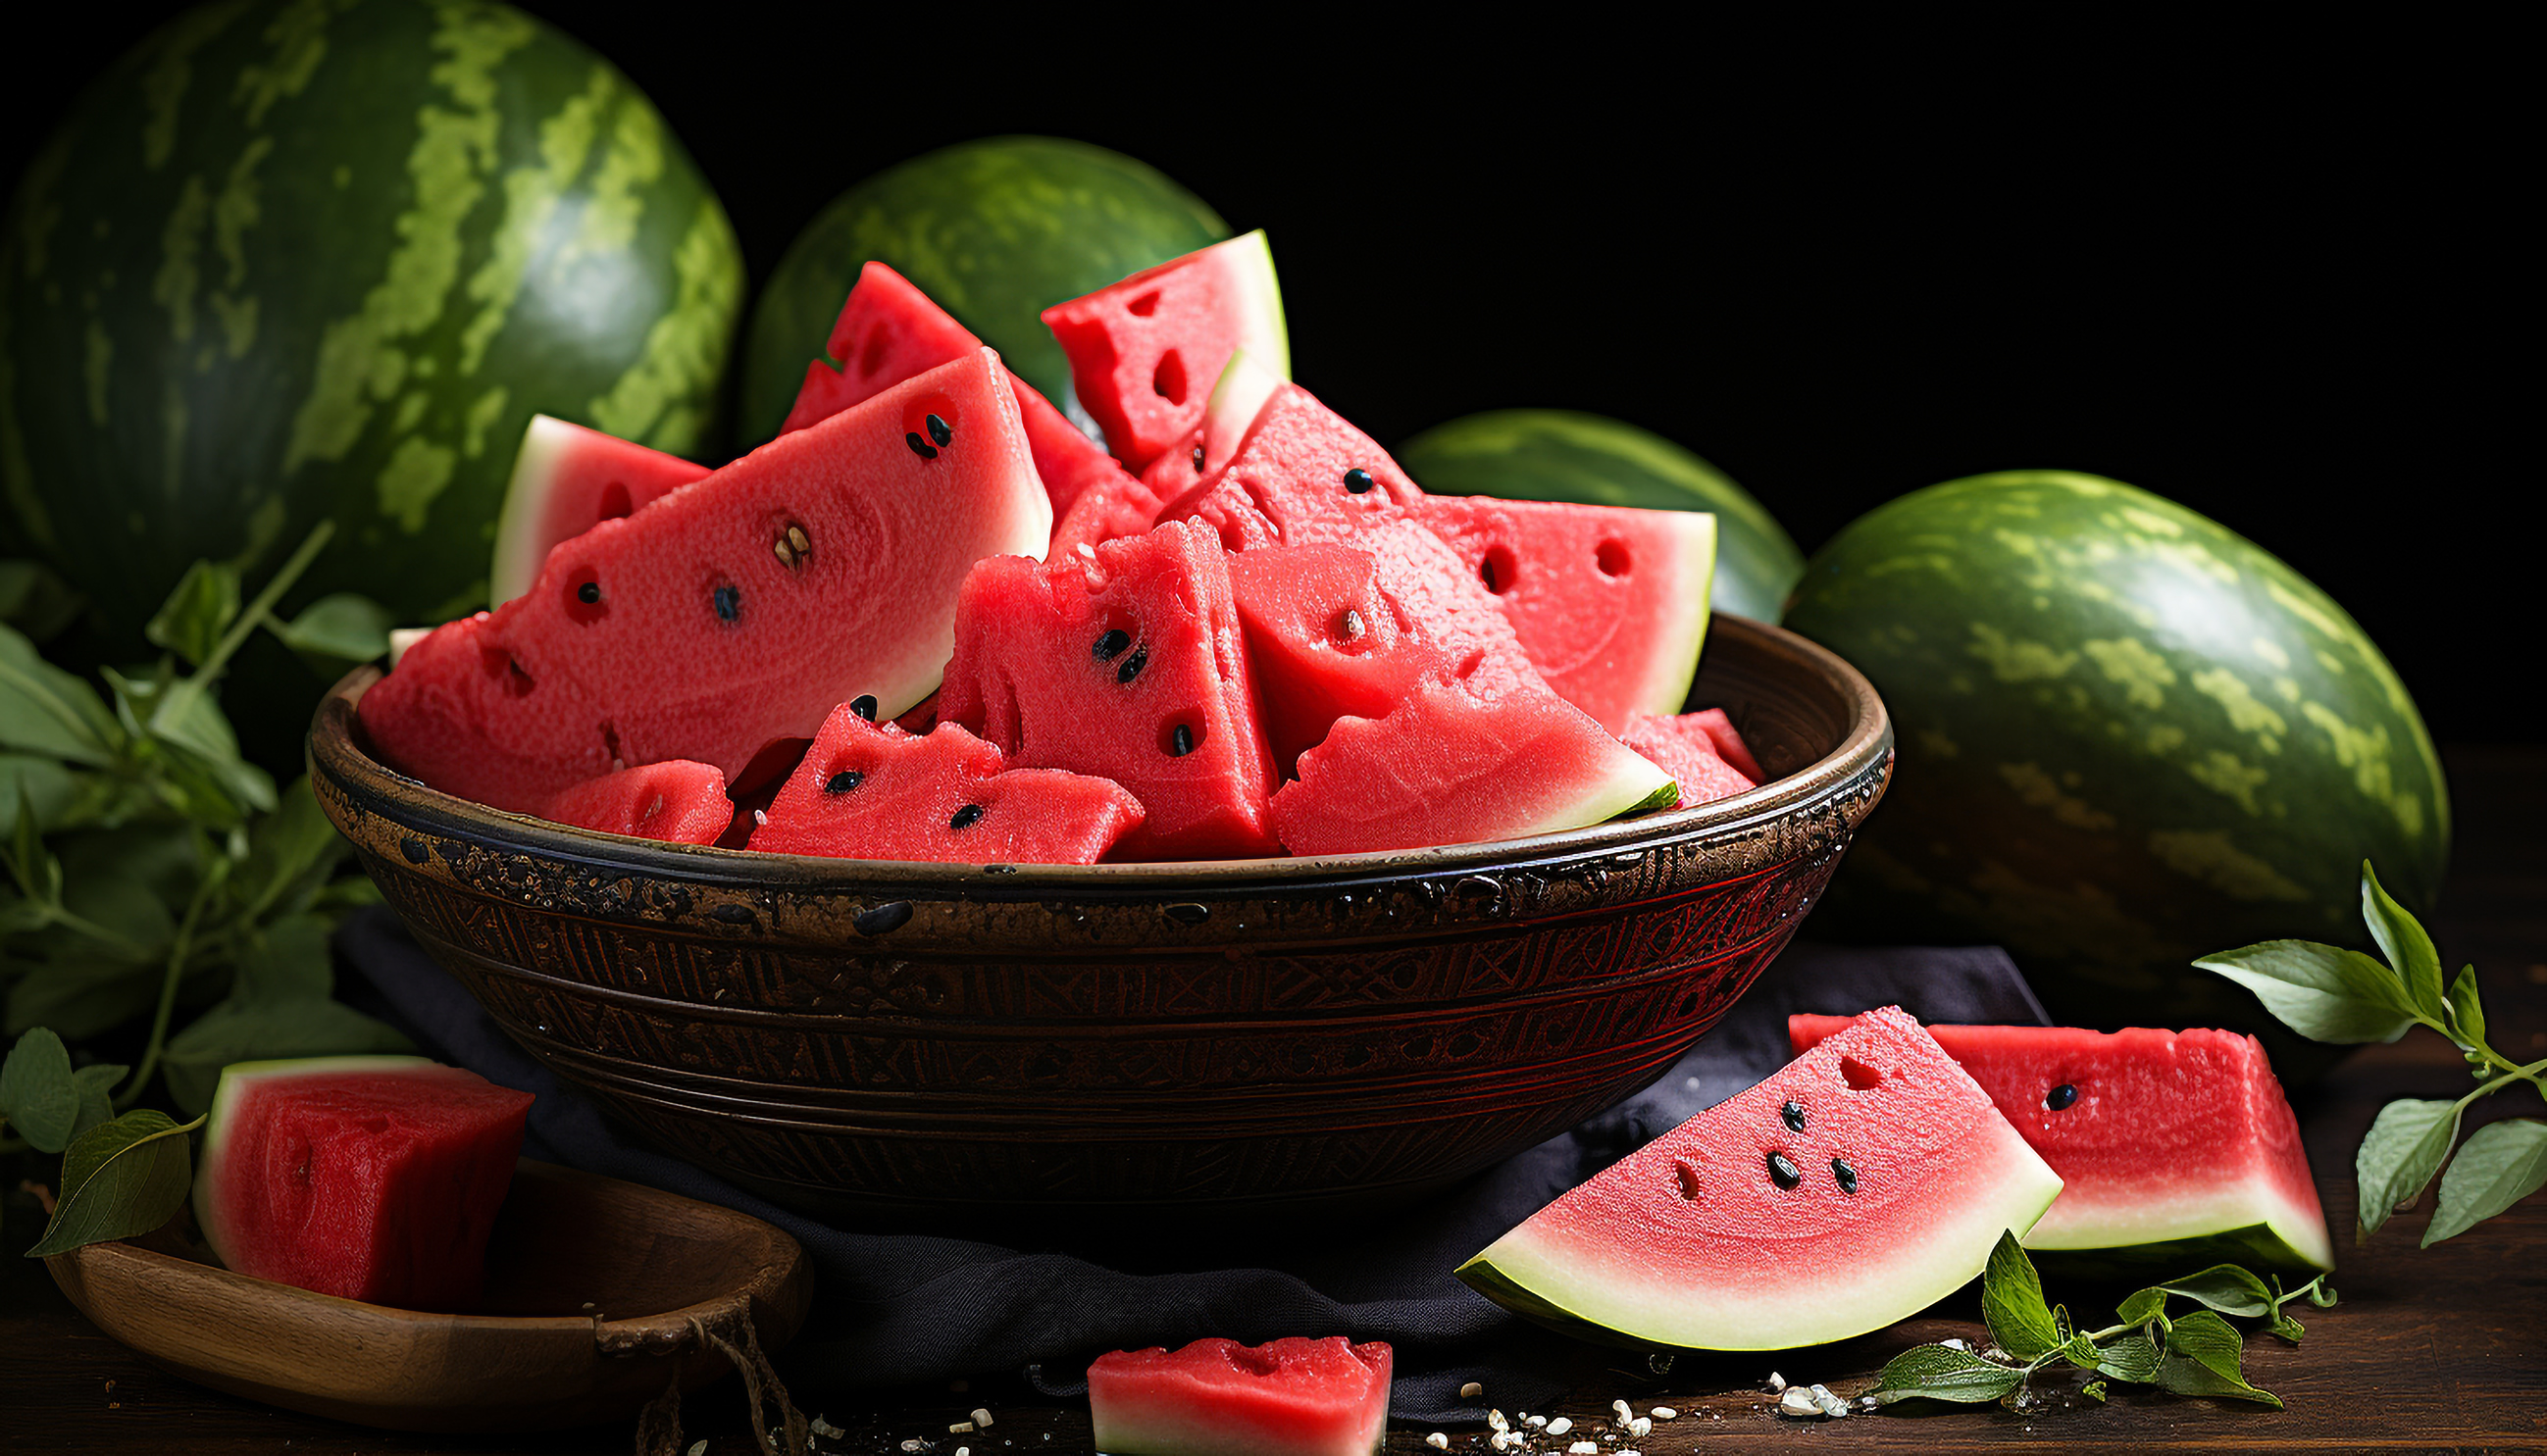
point(2060, 1096)
point(1783, 1171)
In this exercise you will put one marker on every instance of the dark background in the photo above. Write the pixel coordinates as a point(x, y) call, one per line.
point(2262, 272)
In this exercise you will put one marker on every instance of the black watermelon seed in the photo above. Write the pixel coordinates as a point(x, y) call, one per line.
point(965, 818)
point(844, 781)
point(1794, 1113)
point(1183, 742)
point(1357, 479)
point(1784, 1172)
point(1112, 644)
point(939, 431)
point(1846, 1176)
point(1197, 457)
point(864, 706)
point(729, 603)
point(920, 447)
point(2060, 1096)
point(1133, 664)
point(589, 593)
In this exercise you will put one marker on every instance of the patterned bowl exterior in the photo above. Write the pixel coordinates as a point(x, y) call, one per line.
point(892, 1042)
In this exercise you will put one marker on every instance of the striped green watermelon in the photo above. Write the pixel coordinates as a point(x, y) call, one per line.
point(2128, 737)
point(287, 261)
point(1565, 455)
point(995, 231)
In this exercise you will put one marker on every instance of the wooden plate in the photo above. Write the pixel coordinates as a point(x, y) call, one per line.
point(593, 1288)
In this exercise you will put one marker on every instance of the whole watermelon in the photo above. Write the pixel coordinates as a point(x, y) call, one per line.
point(2129, 737)
point(293, 261)
point(1592, 460)
point(995, 231)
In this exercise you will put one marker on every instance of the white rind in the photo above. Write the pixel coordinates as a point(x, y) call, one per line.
point(1669, 693)
point(1245, 262)
point(1236, 398)
point(2202, 1213)
point(513, 568)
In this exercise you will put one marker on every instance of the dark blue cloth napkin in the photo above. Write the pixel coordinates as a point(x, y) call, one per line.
point(898, 1309)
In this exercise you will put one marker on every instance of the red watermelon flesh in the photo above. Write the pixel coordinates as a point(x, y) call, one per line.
point(1682, 748)
point(2175, 1148)
point(567, 479)
point(889, 331)
point(1106, 510)
point(700, 628)
point(1125, 662)
point(1861, 1183)
point(678, 803)
point(1301, 474)
point(1145, 353)
point(868, 790)
point(1291, 1396)
point(373, 1178)
point(1728, 738)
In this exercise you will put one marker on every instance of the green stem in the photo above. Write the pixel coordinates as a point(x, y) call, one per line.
point(180, 701)
point(178, 951)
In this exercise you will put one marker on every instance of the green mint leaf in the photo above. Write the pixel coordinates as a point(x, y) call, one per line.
point(287, 961)
point(36, 600)
point(2203, 1358)
point(2012, 1302)
point(2402, 940)
point(342, 626)
point(191, 622)
point(84, 997)
point(2131, 1357)
point(2226, 1288)
point(191, 726)
point(45, 709)
point(2404, 1149)
point(2094, 1390)
point(118, 1179)
point(1936, 1373)
point(34, 785)
point(2503, 1164)
point(2082, 1352)
point(2467, 1013)
point(2324, 992)
point(37, 1094)
point(2141, 1307)
point(95, 1094)
point(290, 853)
point(232, 1032)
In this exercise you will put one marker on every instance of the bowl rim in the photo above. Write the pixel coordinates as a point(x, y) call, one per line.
point(335, 755)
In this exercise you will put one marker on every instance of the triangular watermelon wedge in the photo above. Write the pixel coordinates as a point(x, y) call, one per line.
point(565, 480)
point(1681, 746)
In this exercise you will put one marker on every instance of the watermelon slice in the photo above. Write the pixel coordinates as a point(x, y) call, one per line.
point(1861, 1183)
point(1111, 508)
point(1291, 1396)
point(2177, 1150)
point(373, 1178)
point(869, 791)
point(567, 479)
point(678, 803)
point(735, 613)
point(1125, 662)
point(1145, 353)
point(889, 331)
point(1682, 746)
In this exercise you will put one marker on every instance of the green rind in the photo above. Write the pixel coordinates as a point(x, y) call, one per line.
point(995, 231)
point(2128, 737)
point(2256, 1246)
point(292, 261)
point(1566, 455)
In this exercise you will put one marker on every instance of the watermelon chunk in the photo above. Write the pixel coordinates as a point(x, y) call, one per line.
point(733, 614)
point(1857, 1185)
point(678, 803)
point(567, 479)
point(1127, 662)
point(1301, 474)
point(1290, 1397)
point(889, 331)
point(869, 791)
point(373, 1178)
point(1728, 738)
point(2177, 1150)
point(1682, 746)
point(1145, 353)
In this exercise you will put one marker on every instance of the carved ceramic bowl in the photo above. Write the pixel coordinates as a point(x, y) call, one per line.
point(888, 1043)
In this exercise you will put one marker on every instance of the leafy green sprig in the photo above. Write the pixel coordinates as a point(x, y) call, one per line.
point(2328, 993)
point(2196, 1352)
point(154, 879)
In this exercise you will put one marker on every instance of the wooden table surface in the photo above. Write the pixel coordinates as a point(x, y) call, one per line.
point(2431, 1350)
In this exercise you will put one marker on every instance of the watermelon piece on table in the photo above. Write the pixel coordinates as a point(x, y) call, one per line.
point(887, 331)
point(870, 791)
point(1145, 353)
point(1859, 1184)
point(1127, 662)
point(567, 479)
point(678, 803)
point(733, 614)
point(1682, 748)
point(2177, 1150)
point(373, 1178)
point(1290, 1397)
